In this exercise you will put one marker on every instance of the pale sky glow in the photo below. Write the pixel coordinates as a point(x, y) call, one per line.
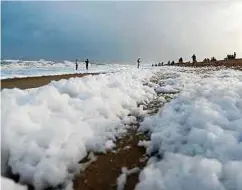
point(121, 31)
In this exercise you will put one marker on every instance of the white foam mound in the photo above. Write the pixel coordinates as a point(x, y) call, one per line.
point(166, 89)
point(177, 171)
point(47, 130)
point(199, 134)
point(8, 184)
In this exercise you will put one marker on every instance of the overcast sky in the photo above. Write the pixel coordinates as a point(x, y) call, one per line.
point(120, 31)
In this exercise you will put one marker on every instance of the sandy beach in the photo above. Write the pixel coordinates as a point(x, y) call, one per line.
point(121, 96)
point(106, 169)
point(34, 82)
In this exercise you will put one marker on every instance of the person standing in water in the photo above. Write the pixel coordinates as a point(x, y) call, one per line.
point(138, 61)
point(87, 61)
point(76, 64)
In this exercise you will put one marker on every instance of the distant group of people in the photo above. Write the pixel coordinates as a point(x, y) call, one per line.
point(159, 64)
point(194, 60)
point(86, 62)
point(171, 63)
point(180, 61)
point(207, 60)
point(228, 57)
point(233, 56)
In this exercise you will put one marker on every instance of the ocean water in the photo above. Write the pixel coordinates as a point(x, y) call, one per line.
point(19, 68)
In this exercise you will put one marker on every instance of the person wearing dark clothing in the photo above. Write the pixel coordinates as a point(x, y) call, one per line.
point(180, 60)
point(231, 56)
point(194, 58)
point(162, 63)
point(213, 59)
point(138, 61)
point(76, 64)
point(87, 61)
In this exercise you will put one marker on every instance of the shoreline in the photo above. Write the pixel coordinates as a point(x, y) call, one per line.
point(38, 81)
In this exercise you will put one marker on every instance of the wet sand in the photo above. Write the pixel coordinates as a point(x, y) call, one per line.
point(34, 82)
point(103, 173)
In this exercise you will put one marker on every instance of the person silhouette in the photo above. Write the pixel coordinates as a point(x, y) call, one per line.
point(87, 61)
point(76, 64)
point(194, 58)
point(138, 61)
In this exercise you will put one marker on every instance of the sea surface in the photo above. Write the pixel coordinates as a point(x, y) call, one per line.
point(20, 68)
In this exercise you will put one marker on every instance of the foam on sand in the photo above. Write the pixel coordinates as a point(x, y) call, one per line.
point(47, 130)
point(122, 179)
point(198, 136)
